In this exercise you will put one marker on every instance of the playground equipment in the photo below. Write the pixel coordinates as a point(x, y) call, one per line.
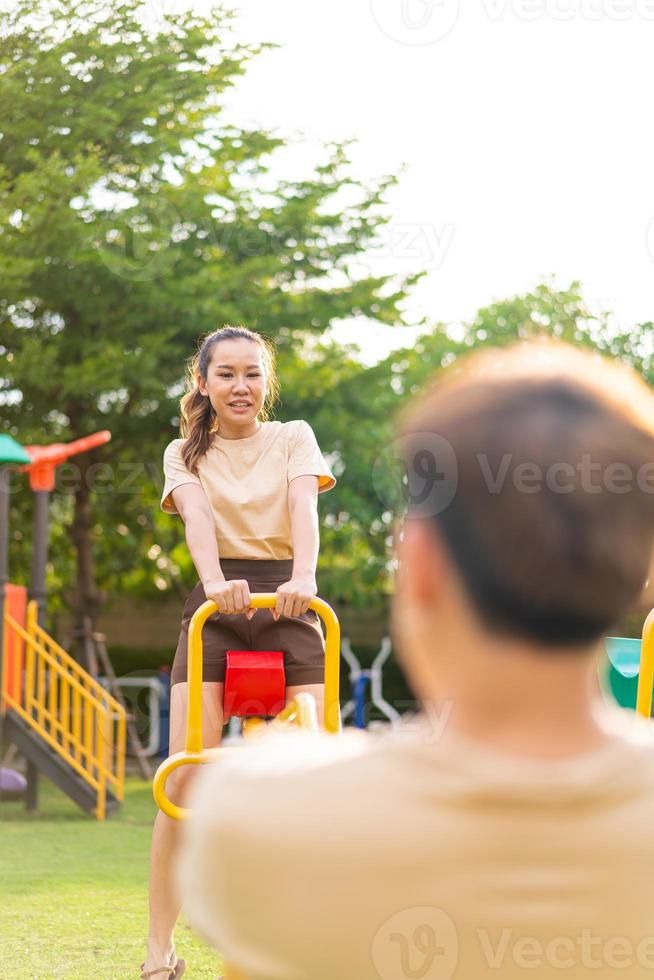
point(56, 713)
point(148, 723)
point(619, 672)
point(42, 469)
point(11, 453)
point(646, 672)
point(250, 690)
point(360, 678)
point(93, 644)
point(254, 683)
point(13, 785)
point(632, 658)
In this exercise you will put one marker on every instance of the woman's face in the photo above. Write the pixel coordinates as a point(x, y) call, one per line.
point(236, 381)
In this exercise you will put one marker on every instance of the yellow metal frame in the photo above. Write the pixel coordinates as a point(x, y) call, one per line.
point(67, 708)
point(646, 672)
point(300, 711)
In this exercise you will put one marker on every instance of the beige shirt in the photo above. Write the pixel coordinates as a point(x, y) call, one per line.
point(246, 482)
point(426, 857)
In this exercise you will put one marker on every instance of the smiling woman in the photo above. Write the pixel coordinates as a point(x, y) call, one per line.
point(234, 391)
point(246, 488)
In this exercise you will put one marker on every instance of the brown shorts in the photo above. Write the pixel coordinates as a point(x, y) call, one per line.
point(299, 637)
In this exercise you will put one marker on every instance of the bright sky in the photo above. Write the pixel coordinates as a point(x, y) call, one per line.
point(524, 125)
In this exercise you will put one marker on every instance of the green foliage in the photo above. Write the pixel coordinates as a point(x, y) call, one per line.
point(134, 219)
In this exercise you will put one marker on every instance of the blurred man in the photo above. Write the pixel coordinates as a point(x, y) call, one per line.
point(508, 831)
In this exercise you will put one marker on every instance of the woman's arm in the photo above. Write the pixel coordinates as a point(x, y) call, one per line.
point(194, 509)
point(293, 597)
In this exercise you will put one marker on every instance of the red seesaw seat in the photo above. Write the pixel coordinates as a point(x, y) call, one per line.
point(254, 683)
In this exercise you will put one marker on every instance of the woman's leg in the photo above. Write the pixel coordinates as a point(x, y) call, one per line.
point(164, 902)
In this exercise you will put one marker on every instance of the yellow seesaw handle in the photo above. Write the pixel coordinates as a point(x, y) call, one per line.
point(646, 671)
point(194, 752)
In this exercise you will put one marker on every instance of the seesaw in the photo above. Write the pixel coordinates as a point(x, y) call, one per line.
point(254, 687)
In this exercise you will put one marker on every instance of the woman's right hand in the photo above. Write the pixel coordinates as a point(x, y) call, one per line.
point(231, 597)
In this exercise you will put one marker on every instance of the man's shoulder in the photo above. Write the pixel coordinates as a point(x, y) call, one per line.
point(287, 753)
point(283, 765)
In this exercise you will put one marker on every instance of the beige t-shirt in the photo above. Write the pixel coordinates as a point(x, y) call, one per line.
point(246, 482)
point(425, 855)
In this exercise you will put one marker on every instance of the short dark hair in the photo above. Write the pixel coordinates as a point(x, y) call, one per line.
point(547, 504)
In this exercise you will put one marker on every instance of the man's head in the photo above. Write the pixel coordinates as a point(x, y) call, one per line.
point(531, 502)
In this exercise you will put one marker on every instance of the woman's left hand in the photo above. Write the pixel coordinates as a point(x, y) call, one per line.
point(293, 597)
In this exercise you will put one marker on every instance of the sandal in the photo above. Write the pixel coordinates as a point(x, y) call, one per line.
point(174, 972)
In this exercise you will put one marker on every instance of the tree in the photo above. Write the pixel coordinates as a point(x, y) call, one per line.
point(134, 220)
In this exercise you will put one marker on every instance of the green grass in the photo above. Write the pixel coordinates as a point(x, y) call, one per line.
point(74, 893)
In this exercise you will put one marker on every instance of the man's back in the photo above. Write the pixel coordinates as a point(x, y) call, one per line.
point(428, 859)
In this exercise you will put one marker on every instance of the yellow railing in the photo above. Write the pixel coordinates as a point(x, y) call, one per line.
point(300, 711)
point(67, 708)
point(646, 671)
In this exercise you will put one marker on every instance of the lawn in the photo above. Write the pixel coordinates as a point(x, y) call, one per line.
point(73, 892)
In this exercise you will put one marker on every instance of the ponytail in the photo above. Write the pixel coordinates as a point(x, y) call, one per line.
point(198, 420)
point(197, 425)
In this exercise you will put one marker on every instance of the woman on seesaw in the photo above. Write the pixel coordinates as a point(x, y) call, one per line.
point(246, 488)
